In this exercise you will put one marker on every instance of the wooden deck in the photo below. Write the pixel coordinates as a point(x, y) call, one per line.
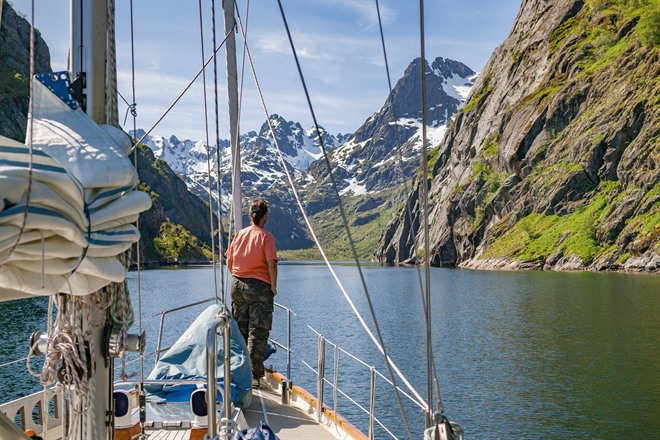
point(295, 421)
point(287, 422)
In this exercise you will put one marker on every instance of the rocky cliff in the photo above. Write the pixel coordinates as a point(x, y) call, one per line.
point(553, 161)
point(15, 70)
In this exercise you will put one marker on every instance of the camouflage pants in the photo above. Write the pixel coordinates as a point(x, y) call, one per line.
point(252, 308)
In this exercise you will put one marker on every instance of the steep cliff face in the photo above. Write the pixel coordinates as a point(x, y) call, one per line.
point(553, 161)
point(15, 70)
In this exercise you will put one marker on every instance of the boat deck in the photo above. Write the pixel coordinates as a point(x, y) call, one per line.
point(287, 422)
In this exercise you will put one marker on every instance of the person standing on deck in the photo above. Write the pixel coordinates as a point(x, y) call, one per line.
point(252, 261)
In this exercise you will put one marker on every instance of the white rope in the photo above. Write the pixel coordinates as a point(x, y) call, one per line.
point(318, 244)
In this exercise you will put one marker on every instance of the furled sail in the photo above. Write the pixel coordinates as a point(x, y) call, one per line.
point(69, 203)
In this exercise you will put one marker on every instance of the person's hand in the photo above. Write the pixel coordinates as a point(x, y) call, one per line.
point(274, 290)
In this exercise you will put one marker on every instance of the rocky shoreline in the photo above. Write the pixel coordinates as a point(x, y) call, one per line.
point(649, 263)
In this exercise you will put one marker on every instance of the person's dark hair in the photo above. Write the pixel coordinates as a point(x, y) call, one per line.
point(258, 209)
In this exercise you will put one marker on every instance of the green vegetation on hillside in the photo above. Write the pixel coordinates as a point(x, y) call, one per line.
point(12, 84)
point(366, 228)
point(177, 244)
point(537, 236)
point(475, 99)
point(606, 29)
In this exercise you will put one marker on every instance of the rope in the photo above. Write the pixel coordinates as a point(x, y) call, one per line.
point(218, 170)
point(389, 361)
point(399, 163)
point(130, 108)
point(425, 209)
point(112, 66)
point(381, 344)
point(138, 254)
point(208, 153)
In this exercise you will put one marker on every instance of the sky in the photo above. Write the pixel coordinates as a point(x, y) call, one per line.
point(337, 41)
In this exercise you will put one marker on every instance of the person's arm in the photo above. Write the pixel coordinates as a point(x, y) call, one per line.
point(230, 260)
point(272, 270)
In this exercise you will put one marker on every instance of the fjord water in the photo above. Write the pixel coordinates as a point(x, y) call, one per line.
point(531, 355)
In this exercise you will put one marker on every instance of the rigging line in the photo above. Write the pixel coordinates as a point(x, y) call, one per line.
point(185, 90)
point(218, 180)
point(112, 115)
point(425, 218)
point(405, 184)
point(344, 219)
point(28, 140)
point(14, 362)
point(399, 161)
point(137, 223)
point(130, 108)
point(244, 34)
point(208, 154)
point(389, 361)
point(343, 215)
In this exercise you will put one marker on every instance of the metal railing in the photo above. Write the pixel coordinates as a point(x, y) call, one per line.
point(371, 376)
point(223, 321)
point(159, 350)
point(36, 411)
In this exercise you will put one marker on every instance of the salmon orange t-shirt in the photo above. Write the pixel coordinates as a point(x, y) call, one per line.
point(250, 252)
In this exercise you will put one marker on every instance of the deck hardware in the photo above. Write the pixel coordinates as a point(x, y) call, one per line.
point(372, 403)
point(287, 386)
point(118, 341)
point(222, 320)
point(39, 343)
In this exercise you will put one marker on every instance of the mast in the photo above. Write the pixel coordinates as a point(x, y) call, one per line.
point(89, 52)
point(232, 95)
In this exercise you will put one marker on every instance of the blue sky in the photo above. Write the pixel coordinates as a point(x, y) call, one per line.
point(337, 41)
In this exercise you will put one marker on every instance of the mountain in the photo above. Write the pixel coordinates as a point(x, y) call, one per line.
point(261, 167)
point(384, 152)
point(371, 165)
point(553, 161)
point(262, 172)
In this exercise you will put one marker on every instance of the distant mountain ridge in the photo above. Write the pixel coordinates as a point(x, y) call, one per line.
point(381, 155)
point(261, 167)
point(385, 150)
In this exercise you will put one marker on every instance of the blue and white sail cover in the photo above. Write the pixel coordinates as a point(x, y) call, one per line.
point(69, 202)
point(186, 360)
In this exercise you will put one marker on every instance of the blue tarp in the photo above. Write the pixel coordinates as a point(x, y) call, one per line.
point(187, 360)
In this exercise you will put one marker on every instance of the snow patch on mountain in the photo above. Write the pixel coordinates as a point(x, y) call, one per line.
point(458, 86)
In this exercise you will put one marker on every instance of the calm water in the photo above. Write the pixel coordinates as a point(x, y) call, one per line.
point(530, 355)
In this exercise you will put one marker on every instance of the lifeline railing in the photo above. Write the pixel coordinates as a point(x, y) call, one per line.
point(321, 377)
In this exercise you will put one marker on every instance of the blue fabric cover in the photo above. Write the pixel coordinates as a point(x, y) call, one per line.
point(187, 360)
